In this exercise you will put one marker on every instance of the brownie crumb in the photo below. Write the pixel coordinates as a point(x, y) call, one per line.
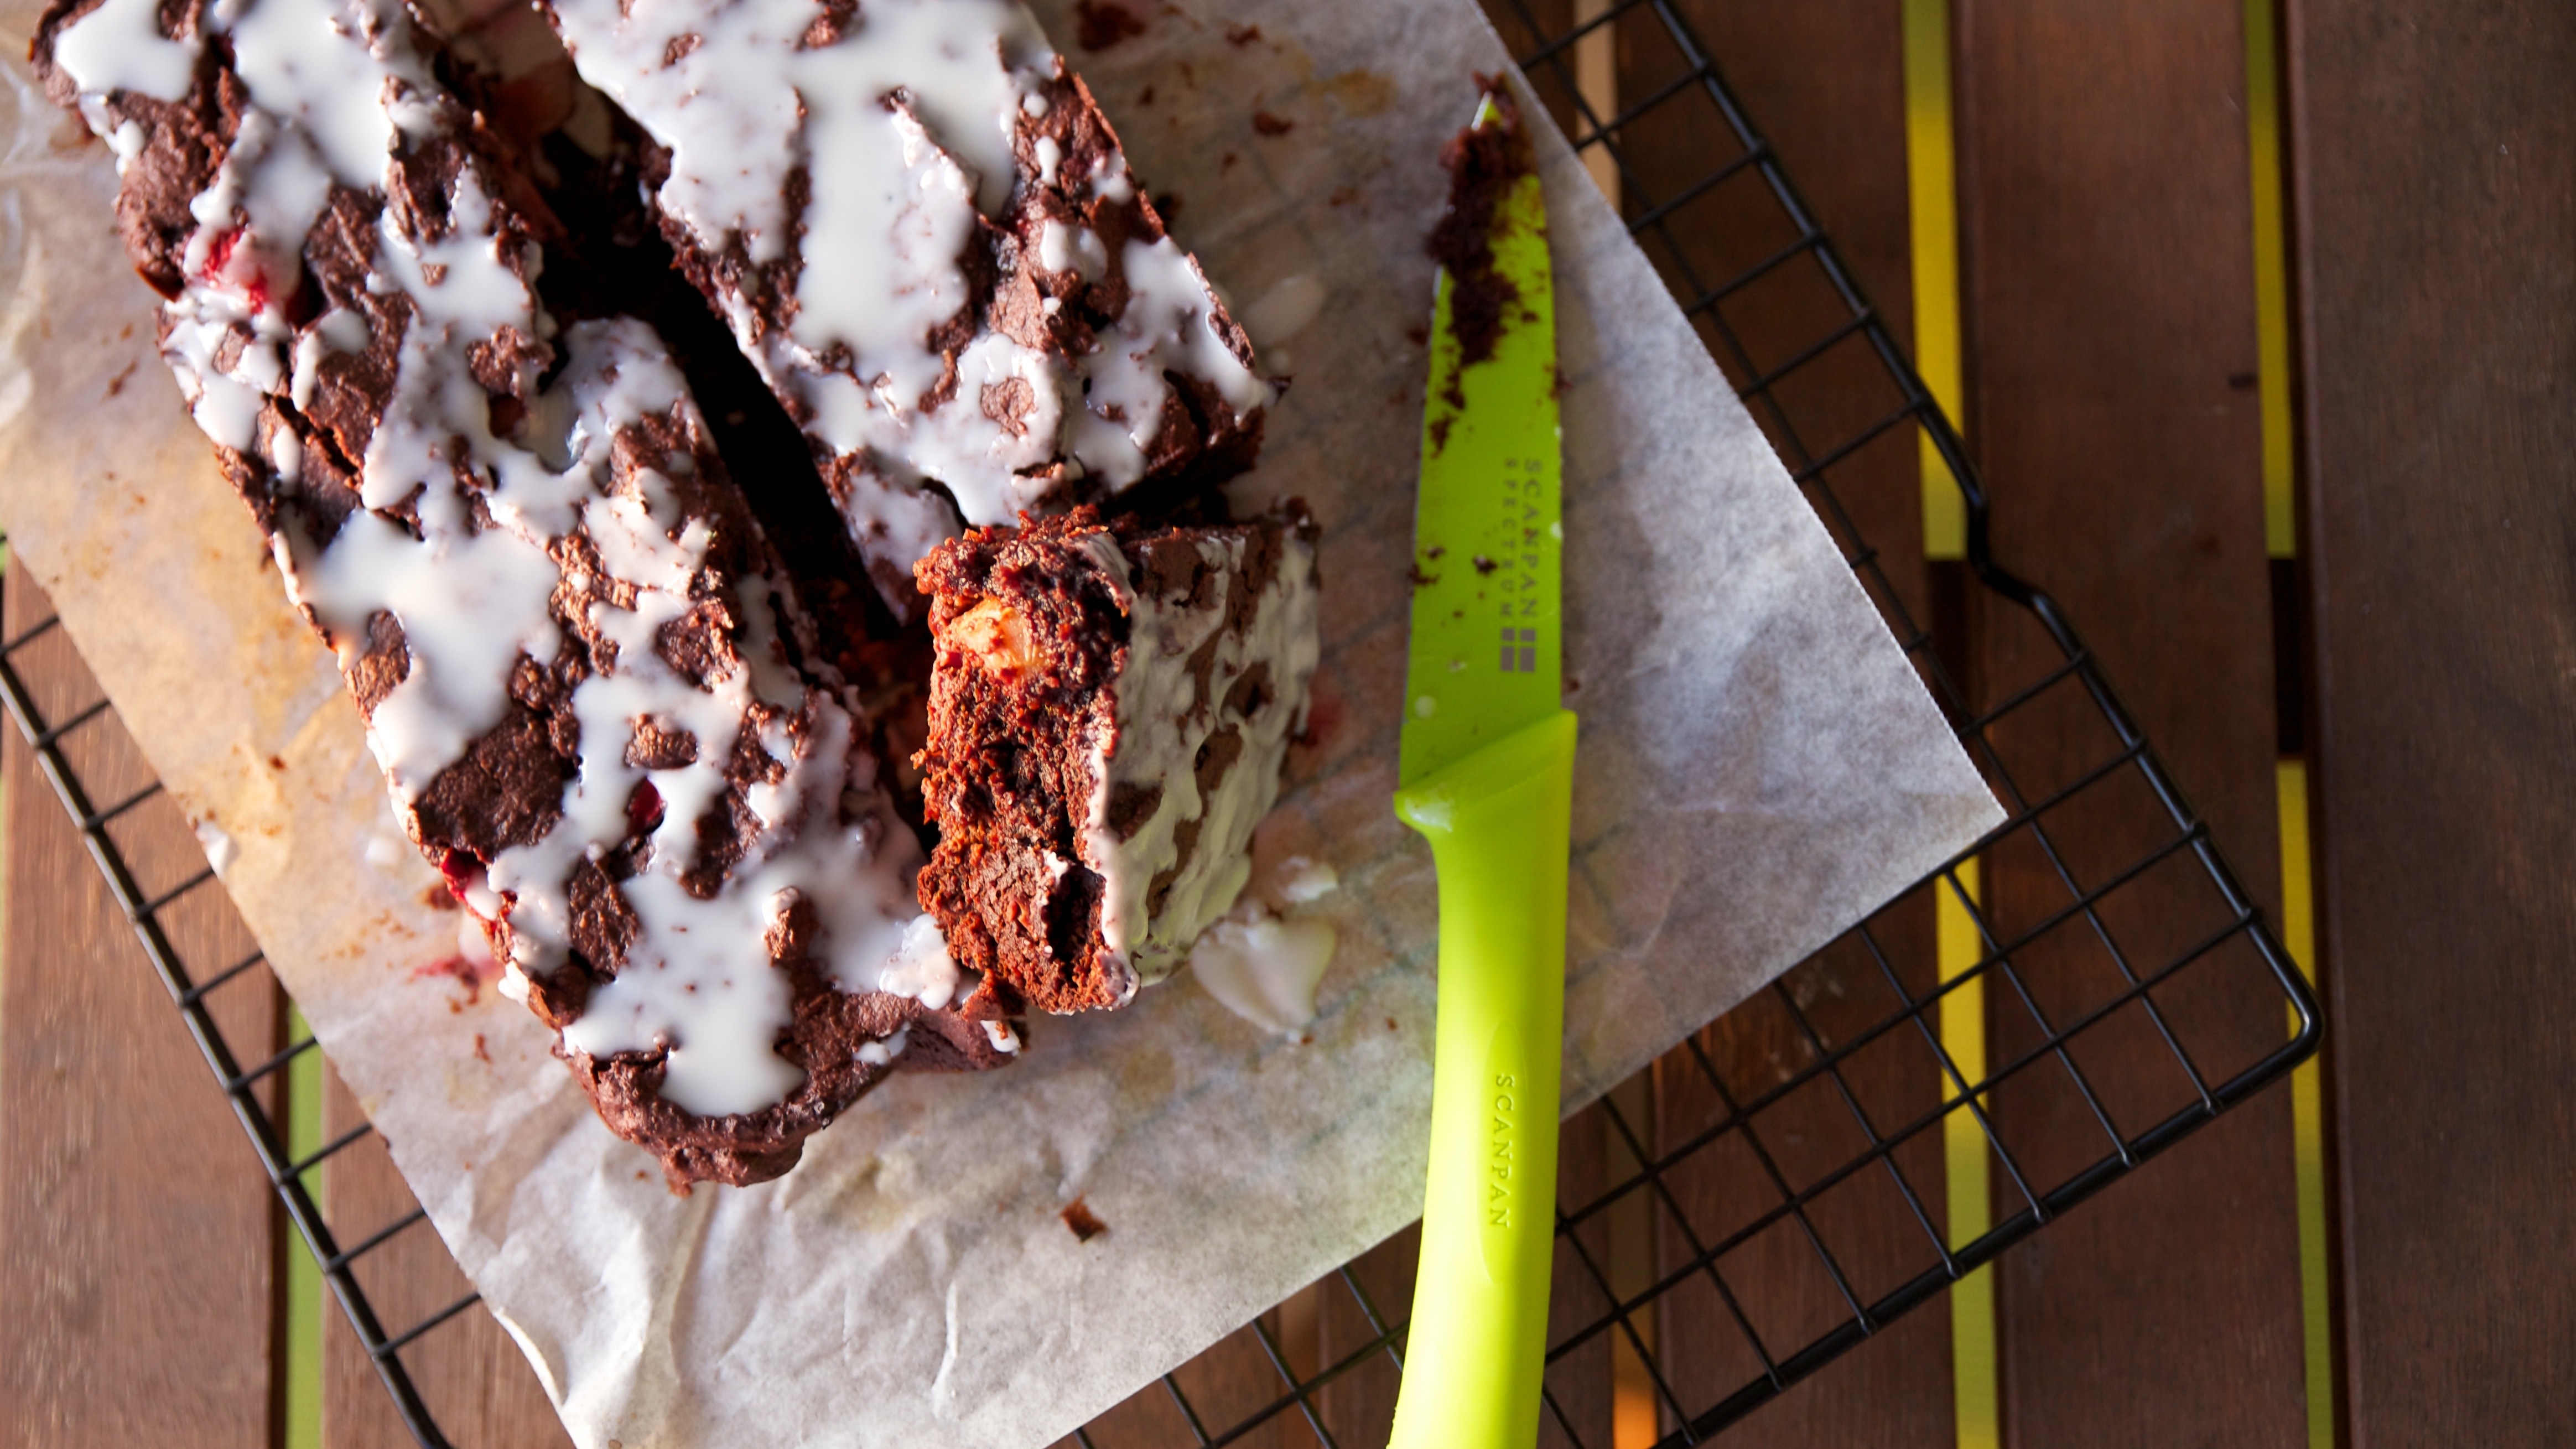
point(1270, 125)
point(1085, 1224)
point(439, 898)
point(1240, 36)
point(480, 1053)
point(1484, 565)
point(1483, 163)
point(1100, 24)
point(276, 762)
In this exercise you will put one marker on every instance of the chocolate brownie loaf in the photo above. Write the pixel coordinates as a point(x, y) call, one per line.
point(588, 684)
point(1109, 710)
point(922, 228)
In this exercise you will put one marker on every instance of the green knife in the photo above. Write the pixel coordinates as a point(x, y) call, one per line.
point(1487, 775)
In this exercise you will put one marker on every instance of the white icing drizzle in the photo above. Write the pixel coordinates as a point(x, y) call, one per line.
point(193, 333)
point(1265, 969)
point(897, 186)
point(1113, 182)
point(120, 47)
point(127, 142)
point(880, 1053)
point(742, 73)
point(490, 538)
point(1299, 881)
point(1163, 719)
point(474, 944)
point(471, 600)
point(1167, 324)
point(922, 967)
point(343, 71)
point(337, 330)
point(333, 86)
point(221, 850)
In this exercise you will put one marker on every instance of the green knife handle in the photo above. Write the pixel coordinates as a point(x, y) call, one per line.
point(1498, 824)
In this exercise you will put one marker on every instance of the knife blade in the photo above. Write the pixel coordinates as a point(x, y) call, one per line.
point(1485, 655)
point(1486, 774)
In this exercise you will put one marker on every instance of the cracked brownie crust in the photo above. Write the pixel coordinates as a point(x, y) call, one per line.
point(595, 697)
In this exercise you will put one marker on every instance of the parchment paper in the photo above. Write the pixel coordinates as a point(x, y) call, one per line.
point(1759, 768)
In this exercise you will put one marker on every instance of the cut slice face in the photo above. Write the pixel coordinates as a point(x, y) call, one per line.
point(1110, 708)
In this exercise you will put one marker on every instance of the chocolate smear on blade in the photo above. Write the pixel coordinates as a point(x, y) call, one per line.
point(1483, 162)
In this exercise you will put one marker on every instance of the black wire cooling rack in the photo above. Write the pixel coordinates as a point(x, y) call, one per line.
point(1773, 1192)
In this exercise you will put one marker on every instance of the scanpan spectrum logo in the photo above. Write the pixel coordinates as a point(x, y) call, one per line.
point(1514, 563)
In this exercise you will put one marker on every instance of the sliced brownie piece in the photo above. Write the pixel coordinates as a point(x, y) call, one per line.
point(580, 667)
point(922, 228)
point(1109, 711)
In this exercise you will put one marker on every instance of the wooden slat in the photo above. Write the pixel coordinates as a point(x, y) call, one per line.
point(1824, 82)
point(1583, 1382)
point(2436, 216)
point(1234, 1379)
point(1893, 1390)
point(140, 1231)
point(473, 1377)
point(2111, 357)
point(1359, 1406)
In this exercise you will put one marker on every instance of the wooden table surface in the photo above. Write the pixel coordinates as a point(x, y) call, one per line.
point(2408, 644)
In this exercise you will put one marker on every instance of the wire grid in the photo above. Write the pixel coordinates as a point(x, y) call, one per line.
point(1782, 1171)
point(79, 748)
point(1769, 1195)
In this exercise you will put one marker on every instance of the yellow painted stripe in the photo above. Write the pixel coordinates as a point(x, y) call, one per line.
point(1932, 194)
point(1972, 1299)
point(2271, 275)
point(301, 1365)
point(2281, 541)
point(2307, 1111)
point(1931, 171)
